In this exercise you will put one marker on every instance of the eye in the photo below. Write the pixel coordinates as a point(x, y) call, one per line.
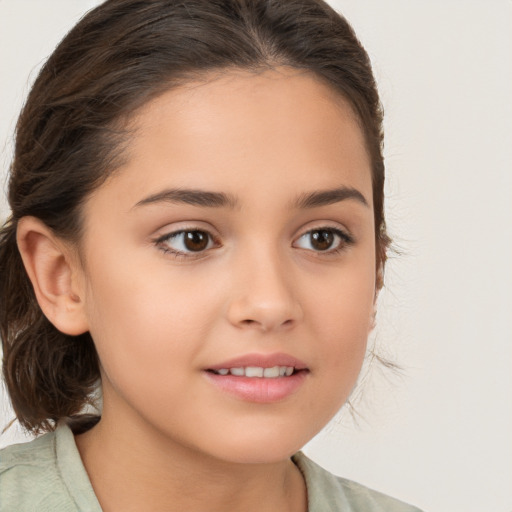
point(328, 240)
point(186, 241)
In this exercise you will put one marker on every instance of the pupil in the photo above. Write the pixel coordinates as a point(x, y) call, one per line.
point(322, 239)
point(196, 240)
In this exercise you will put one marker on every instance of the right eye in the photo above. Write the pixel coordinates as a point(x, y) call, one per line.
point(186, 242)
point(328, 240)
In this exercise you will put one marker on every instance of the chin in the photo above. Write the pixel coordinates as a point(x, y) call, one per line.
point(272, 448)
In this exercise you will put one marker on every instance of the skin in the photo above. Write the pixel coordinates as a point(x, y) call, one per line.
point(169, 439)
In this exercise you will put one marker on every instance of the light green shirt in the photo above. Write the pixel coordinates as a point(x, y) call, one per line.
point(47, 475)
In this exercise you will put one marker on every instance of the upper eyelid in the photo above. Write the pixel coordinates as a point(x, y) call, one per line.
point(168, 231)
point(326, 228)
point(168, 234)
point(345, 236)
point(343, 232)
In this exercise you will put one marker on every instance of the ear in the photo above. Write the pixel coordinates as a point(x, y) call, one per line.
point(53, 270)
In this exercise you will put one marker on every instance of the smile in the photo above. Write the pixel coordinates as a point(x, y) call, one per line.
point(259, 378)
point(257, 371)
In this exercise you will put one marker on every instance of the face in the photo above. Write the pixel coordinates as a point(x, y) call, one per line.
point(229, 267)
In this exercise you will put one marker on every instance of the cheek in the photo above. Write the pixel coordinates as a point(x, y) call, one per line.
point(339, 329)
point(346, 301)
point(343, 318)
point(145, 319)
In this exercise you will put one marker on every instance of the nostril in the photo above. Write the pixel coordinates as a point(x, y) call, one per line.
point(264, 325)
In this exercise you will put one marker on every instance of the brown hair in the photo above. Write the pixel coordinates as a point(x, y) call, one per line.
point(70, 136)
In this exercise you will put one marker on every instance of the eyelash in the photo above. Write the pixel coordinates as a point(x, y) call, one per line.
point(345, 240)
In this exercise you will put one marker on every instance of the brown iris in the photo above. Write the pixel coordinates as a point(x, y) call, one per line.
point(322, 239)
point(195, 240)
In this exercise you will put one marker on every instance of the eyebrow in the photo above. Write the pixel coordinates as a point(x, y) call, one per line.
point(193, 197)
point(326, 197)
point(209, 199)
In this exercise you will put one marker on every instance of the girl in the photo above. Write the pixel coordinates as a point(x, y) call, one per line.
point(197, 226)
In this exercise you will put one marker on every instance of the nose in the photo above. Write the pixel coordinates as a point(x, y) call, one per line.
point(264, 294)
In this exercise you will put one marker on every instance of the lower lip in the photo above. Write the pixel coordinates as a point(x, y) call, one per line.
point(258, 389)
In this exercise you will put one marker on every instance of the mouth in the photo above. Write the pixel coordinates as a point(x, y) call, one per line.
point(273, 372)
point(259, 378)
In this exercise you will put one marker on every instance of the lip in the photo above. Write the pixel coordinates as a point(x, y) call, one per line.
point(258, 389)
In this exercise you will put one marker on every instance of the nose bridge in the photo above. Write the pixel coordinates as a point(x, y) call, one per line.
point(264, 292)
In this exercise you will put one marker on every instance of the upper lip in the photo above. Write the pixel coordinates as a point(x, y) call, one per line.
point(261, 361)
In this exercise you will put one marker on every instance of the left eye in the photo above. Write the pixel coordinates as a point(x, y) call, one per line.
point(187, 241)
point(324, 240)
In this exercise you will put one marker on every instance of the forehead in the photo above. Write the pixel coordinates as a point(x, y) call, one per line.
point(279, 129)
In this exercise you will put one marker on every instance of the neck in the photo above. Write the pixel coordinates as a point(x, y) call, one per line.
point(134, 469)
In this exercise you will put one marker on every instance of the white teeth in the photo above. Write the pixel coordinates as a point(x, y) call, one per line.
point(254, 371)
point(271, 372)
point(258, 371)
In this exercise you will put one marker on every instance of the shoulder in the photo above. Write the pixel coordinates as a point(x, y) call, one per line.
point(329, 493)
point(31, 474)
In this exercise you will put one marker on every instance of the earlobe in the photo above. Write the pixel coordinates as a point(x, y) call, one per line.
point(52, 271)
